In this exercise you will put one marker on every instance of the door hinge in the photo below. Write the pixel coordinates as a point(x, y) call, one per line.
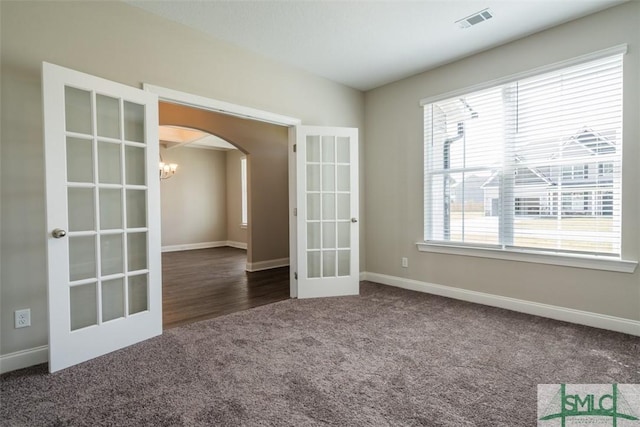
point(295, 211)
point(295, 275)
point(295, 148)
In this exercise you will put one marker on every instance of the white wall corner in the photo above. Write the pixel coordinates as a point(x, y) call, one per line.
point(587, 318)
point(24, 358)
point(266, 265)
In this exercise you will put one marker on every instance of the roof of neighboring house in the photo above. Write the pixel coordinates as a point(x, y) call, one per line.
point(586, 139)
point(533, 173)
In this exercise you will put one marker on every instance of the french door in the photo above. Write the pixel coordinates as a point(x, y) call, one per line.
point(103, 211)
point(327, 211)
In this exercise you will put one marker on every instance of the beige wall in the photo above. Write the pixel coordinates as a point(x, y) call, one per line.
point(202, 202)
point(125, 44)
point(394, 172)
point(266, 146)
point(194, 200)
point(235, 233)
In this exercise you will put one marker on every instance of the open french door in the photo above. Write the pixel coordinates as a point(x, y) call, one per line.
point(327, 211)
point(103, 215)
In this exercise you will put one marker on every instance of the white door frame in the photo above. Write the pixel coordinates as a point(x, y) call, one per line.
point(203, 103)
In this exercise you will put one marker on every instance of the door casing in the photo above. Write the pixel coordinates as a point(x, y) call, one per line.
point(201, 102)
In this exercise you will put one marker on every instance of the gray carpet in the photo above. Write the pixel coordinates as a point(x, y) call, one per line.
point(389, 357)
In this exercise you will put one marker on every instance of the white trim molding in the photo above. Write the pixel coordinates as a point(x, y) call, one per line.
point(238, 245)
point(591, 262)
point(580, 317)
point(191, 100)
point(24, 358)
point(191, 246)
point(266, 265)
point(204, 245)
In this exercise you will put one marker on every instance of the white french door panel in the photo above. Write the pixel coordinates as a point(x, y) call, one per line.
point(327, 251)
point(103, 215)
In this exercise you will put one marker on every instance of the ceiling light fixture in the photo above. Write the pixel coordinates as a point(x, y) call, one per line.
point(167, 170)
point(475, 18)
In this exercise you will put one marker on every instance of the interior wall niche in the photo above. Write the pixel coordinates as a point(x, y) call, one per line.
point(268, 193)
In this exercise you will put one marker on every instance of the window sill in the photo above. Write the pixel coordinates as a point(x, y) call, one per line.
point(243, 226)
point(578, 261)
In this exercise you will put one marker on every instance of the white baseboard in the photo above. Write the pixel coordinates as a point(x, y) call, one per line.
point(268, 264)
point(24, 358)
point(239, 245)
point(596, 320)
point(34, 356)
point(191, 246)
point(204, 245)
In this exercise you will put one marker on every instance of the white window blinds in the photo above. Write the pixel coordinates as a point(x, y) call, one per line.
point(532, 164)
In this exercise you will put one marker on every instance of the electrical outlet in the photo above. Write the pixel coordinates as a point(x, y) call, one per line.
point(405, 262)
point(23, 318)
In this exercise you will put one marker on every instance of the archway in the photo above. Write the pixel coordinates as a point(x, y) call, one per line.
point(265, 146)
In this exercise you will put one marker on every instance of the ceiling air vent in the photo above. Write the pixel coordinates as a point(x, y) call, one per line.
point(474, 19)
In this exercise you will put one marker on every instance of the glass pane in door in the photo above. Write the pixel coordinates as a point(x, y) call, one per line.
point(110, 208)
point(111, 255)
point(344, 263)
point(133, 122)
point(77, 110)
point(342, 150)
point(108, 116)
point(83, 304)
point(136, 251)
point(313, 264)
point(112, 299)
point(328, 206)
point(329, 235)
point(138, 293)
point(134, 165)
point(344, 177)
point(109, 162)
point(79, 160)
point(313, 148)
point(313, 235)
point(82, 257)
point(344, 234)
point(107, 203)
point(81, 208)
point(328, 263)
point(328, 149)
point(136, 208)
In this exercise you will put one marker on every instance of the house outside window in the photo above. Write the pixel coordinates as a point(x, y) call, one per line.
point(532, 164)
point(605, 169)
point(575, 172)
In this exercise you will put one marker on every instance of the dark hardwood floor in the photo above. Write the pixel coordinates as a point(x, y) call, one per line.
point(205, 283)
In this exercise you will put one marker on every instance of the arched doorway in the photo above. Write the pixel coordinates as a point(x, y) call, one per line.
point(206, 271)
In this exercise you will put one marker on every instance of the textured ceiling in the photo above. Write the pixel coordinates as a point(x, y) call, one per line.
point(365, 44)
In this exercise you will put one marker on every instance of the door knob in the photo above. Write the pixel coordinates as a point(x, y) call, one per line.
point(354, 219)
point(58, 233)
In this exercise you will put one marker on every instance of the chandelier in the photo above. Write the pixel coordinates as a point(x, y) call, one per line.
point(167, 170)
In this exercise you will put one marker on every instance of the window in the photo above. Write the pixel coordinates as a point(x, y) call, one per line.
point(605, 169)
point(575, 172)
point(531, 164)
point(243, 181)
